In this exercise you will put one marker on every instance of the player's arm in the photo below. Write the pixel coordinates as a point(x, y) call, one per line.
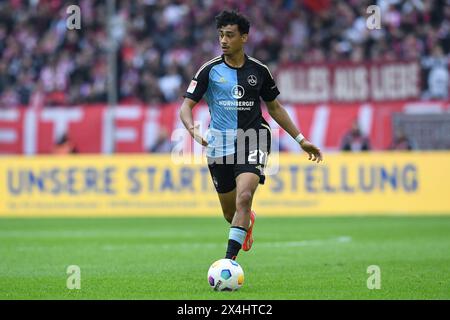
point(279, 114)
point(193, 94)
point(188, 120)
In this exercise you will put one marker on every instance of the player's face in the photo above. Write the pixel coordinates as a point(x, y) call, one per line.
point(231, 40)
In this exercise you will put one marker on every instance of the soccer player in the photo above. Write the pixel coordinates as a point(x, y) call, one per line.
point(232, 85)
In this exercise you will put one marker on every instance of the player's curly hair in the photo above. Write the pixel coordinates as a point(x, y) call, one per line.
point(233, 17)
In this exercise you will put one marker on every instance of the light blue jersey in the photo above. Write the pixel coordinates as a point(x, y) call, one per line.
point(233, 97)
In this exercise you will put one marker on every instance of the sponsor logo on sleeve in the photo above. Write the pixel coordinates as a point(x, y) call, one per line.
point(192, 86)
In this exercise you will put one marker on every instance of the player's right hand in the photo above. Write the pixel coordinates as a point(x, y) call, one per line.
point(194, 131)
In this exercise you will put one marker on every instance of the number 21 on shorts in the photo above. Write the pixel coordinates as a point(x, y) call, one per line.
point(253, 154)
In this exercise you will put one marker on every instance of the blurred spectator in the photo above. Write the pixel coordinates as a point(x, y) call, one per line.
point(162, 43)
point(162, 143)
point(355, 140)
point(401, 141)
point(170, 84)
point(438, 76)
point(64, 146)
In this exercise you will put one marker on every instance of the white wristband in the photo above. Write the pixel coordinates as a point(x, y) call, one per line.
point(299, 138)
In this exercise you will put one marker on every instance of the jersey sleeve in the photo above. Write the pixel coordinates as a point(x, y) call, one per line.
point(198, 85)
point(269, 90)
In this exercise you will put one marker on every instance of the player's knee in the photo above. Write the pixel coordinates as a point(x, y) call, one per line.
point(244, 198)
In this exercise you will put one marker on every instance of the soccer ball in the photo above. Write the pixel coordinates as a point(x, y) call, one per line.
point(225, 275)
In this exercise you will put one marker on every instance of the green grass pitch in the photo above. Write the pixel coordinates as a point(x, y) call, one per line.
point(168, 258)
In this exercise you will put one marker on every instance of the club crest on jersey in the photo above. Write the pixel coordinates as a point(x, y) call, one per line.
point(237, 91)
point(252, 80)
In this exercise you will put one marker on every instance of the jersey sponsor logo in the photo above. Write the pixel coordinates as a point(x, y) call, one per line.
point(252, 80)
point(233, 103)
point(237, 91)
point(192, 86)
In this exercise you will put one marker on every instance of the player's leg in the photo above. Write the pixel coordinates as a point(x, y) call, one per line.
point(222, 175)
point(257, 166)
point(228, 204)
point(246, 184)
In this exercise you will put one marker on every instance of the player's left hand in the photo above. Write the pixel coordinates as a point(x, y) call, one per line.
point(314, 152)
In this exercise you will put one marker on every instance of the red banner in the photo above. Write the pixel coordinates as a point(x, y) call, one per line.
point(349, 82)
point(137, 128)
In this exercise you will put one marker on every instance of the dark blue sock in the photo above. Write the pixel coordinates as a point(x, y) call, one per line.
point(236, 238)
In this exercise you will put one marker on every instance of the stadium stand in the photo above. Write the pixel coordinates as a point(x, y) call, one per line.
point(42, 63)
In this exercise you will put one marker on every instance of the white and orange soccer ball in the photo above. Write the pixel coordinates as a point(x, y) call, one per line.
point(225, 275)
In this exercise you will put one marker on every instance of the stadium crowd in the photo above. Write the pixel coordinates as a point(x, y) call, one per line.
point(162, 43)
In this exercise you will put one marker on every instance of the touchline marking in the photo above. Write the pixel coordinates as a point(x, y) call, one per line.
point(306, 243)
point(94, 234)
point(276, 244)
point(193, 245)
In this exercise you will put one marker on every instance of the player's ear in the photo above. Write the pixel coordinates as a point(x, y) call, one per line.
point(244, 37)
